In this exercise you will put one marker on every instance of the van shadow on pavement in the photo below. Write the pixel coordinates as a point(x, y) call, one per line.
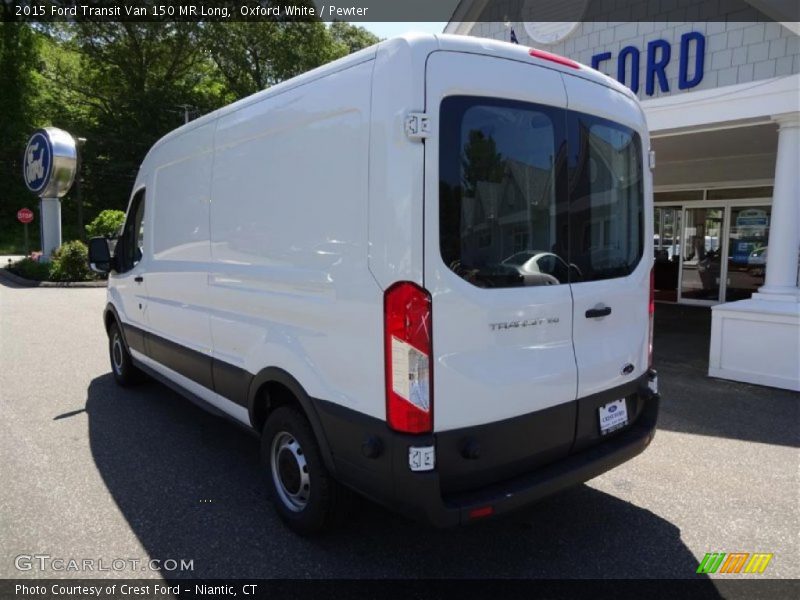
point(190, 486)
point(693, 402)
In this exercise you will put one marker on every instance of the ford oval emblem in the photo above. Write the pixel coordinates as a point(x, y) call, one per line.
point(627, 369)
point(38, 162)
point(49, 163)
point(612, 408)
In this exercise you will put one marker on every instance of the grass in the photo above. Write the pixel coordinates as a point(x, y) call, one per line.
point(30, 269)
point(11, 249)
point(13, 242)
point(12, 236)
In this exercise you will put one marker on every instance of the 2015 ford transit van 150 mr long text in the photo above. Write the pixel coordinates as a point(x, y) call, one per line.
point(421, 272)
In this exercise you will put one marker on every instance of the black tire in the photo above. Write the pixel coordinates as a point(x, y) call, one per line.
point(305, 495)
point(122, 367)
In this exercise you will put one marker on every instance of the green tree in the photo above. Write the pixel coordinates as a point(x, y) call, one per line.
point(134, 81)
point(106, 224)
point(352, 37)
point(481, 161)
point(19, 59)
point(58, 105)
point(123, 85)
point(252, 56)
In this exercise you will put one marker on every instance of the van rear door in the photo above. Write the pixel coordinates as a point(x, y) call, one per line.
point(502, 308)
point(608, 184)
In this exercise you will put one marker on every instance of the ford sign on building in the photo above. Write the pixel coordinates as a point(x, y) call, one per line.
point(721, 95)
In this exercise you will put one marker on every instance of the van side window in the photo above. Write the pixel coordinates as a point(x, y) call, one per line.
point(606, 197)
point(131, 248)
point(499, 210)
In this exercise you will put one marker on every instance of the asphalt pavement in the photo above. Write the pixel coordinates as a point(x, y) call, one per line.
point(93, 471)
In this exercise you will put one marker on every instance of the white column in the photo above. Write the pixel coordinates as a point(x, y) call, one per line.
point(784, 231)
point(50, 219)
point(758, 340)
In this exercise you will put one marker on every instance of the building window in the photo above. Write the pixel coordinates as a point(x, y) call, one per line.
point(519, 240)
point(740, 192)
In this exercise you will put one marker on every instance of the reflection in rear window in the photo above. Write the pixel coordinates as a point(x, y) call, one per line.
point(516, 208)
point(606, 198)
point(498, 192)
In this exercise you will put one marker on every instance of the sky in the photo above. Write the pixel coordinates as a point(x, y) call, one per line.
point(391, 29)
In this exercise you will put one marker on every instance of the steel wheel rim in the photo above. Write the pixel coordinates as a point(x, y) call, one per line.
point(117, 354)
point(289, 471)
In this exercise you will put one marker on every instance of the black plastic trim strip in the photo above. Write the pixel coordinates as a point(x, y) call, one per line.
point(192, 397)
point(135, 338)
point(189, 363)
point(132, 336)
point(231, 381)
point(225, 379)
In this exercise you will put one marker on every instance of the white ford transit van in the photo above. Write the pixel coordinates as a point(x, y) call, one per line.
point(421, 272)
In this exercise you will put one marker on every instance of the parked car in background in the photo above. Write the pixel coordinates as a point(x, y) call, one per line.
point(758, 257)
point(542, 268)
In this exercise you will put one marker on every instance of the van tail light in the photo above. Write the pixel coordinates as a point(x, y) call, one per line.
point(407, 358)
point(651, 309)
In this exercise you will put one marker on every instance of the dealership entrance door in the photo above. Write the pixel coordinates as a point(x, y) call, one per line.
point(710, 245)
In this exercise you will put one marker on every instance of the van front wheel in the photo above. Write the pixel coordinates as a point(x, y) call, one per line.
point(307, 498)
point(122, 367)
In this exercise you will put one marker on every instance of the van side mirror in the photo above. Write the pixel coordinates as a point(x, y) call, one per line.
point(99, 255)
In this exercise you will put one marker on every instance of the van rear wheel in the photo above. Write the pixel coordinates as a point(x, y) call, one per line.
point(122, 367)
point(307, 498)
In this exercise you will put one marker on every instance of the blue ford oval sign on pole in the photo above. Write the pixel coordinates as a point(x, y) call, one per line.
point(38, 162)
point(49, 170)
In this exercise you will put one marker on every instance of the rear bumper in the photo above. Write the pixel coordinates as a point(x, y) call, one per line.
point(386, 477)
point(519, 492)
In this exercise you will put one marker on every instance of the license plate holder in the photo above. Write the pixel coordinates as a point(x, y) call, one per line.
point(613, 416)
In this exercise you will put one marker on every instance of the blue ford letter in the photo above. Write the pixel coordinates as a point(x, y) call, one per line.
point(657, 67)
point(699, 59)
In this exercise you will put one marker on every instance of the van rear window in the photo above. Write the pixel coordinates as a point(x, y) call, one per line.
point(499, 214)
point(606, 198)
point(516, 208)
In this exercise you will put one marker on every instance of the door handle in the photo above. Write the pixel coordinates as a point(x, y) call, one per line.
point(138, 279)
point(594, 313)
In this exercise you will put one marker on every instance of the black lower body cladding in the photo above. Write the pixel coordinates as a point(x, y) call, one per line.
point(506, 465)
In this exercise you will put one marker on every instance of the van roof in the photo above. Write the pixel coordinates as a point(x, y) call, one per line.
point(421, 44)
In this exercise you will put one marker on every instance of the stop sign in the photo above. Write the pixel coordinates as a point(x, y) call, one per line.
point(25, 215)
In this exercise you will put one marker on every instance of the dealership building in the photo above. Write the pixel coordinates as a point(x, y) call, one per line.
point(722, 101)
